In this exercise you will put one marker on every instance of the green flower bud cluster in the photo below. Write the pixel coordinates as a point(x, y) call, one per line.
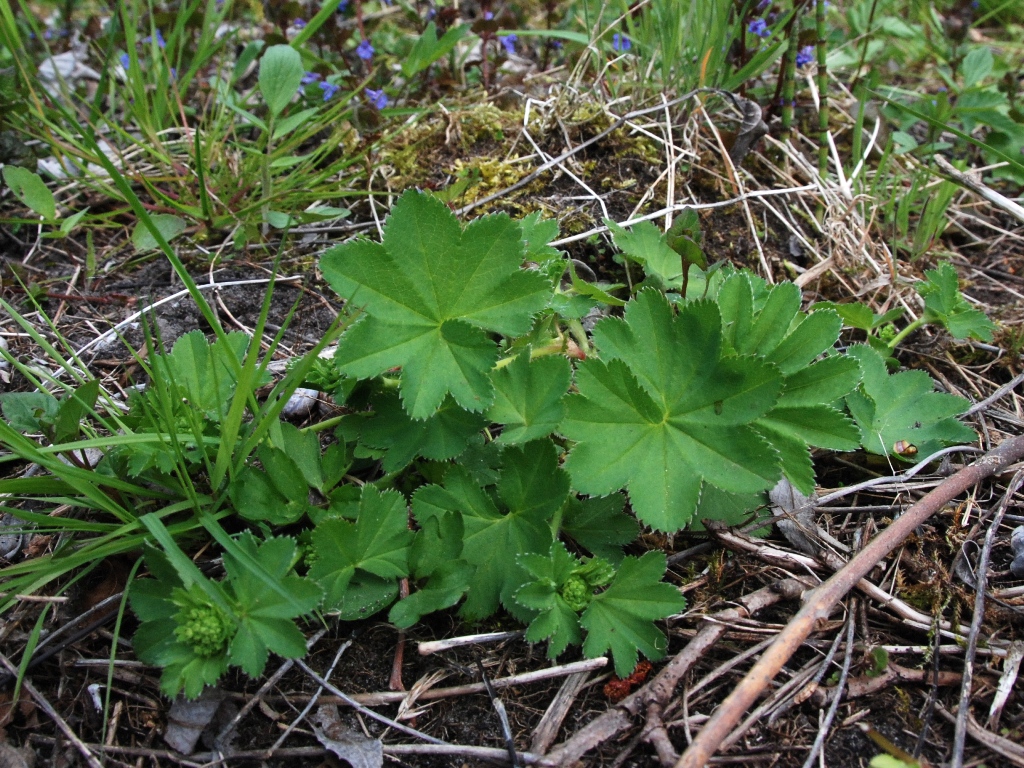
point(577, 593)
point(206, 629)
point(578, 589)
point(887, 332)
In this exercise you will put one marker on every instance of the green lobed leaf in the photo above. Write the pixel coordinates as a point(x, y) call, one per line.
point(857, 315)
point(903, 407)
point(826, 381)
point(767, 321)
point(529, 397)
point(31, 190)
point(443, 589)
point(365, 558)
point(621, 618)
point(944, 304)
point(435, 557)
point(600, 524)
point(29, 411)
point(443, 435)
point(256, 496)
point(646, 244)
point(538, 233)
point(431, 292)
point(667, 411)
point(531, 488)
point(555, 621)
point(731, 508)
point(203, 373)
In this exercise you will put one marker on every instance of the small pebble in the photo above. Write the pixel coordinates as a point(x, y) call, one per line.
point(301, 404)
point(1017, 547)
point(5, 365)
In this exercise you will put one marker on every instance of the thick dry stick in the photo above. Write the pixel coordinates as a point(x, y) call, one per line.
point(820, 602)
point(659, 690)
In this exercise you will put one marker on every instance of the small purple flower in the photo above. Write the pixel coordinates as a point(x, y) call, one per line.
point(763, 6)
point(309, 77)
point(621, 43)
point(364, 50)
point(342, 6)
point(174, 73)
point(509, 41)
point(488, 15)
point(329, 90)
point(805, 56)
point(378, 99)
point(759, 27)
point(298, 23)
point(48, 34)
point(125, 60)
point(159, 39)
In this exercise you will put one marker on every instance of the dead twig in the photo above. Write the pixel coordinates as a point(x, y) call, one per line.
point(1010, 750)
point(659, 690)
point(820, 602)
point(977, 187)
point(547, 729)
point(893, 673)
point(827, 724)
point(981, 584)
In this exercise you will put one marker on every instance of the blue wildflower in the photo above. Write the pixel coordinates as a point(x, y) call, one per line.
point(329, 90)
point(298, 23)
point(509, 41)
point(488, 15)
point(759, 27)
point(805, 56)
point(343, 6)
point(621, 43)
point(378, 99)
point(309, 77)
point(159, 39)
point(364, 50)
point(125, 60)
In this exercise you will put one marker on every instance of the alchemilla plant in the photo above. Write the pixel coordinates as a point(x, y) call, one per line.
point(490, 452)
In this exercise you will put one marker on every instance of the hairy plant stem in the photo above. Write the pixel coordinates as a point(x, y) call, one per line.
point(899, 337)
